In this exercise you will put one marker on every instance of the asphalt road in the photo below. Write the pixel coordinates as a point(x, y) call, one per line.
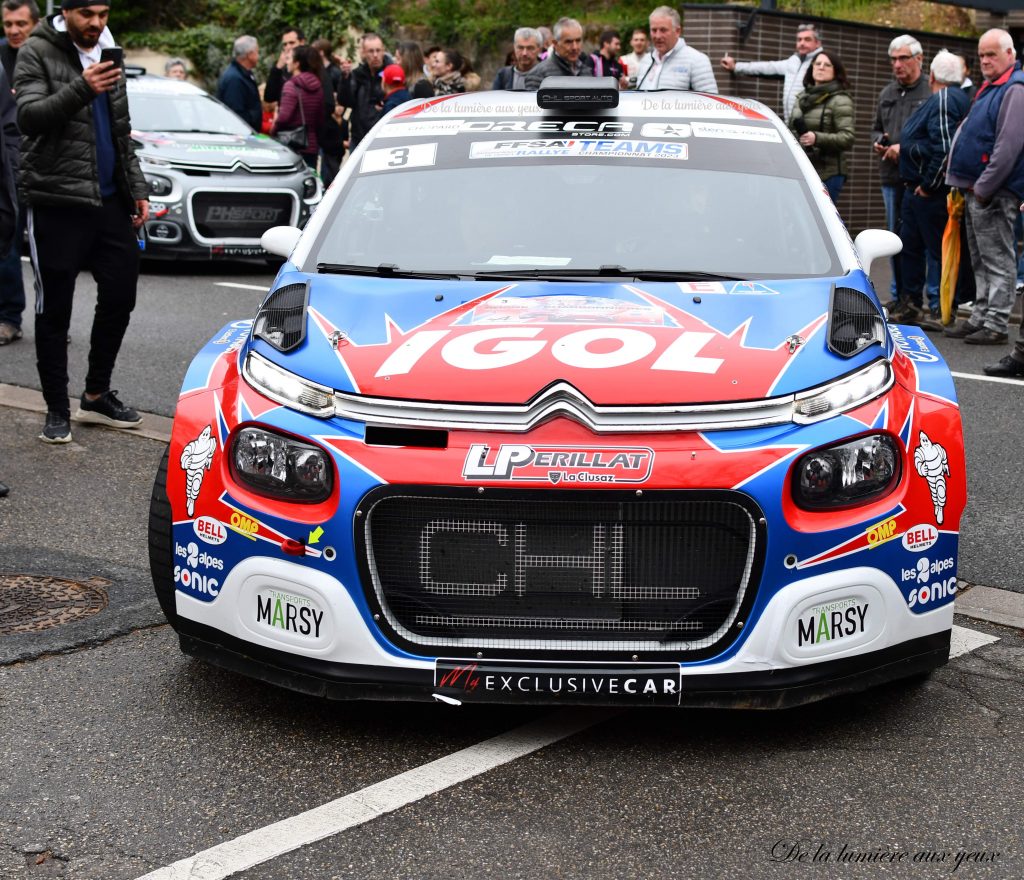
point(121, 755)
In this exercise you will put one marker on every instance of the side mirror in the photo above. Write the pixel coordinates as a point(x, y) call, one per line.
point(872, 244)
point(281, 240)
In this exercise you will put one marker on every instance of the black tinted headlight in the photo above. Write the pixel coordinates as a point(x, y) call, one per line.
point(159, 186)
point(309, 187)
point(278, 466)
point(854, 322)
point(854, 472)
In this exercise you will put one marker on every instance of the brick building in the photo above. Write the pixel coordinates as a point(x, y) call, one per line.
point(751, 34)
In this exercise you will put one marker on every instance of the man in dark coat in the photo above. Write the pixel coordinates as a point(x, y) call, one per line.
point(237, 87)
point(86, 196)
point(526, 45)
point(9, 155)
point(20, 19)
point(567, 59)
point(361, 88)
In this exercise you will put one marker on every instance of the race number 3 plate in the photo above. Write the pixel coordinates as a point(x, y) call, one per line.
point(512, 682)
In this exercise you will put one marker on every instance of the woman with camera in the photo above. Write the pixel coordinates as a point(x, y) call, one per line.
point(822, 120)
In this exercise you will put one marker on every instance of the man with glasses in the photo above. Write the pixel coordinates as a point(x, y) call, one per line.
point(897, 101)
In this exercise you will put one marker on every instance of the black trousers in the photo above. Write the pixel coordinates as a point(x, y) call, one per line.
point(65, 241)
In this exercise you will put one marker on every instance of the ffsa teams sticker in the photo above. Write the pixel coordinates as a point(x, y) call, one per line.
point(558, 464)
point(617, 149)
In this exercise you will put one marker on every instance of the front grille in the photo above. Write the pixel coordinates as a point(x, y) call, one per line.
point(560, 571)
point(227, 214)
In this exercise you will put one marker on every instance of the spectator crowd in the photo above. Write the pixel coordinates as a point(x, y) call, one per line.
point(944, 146)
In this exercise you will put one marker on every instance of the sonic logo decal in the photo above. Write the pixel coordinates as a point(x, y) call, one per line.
point(931, 462)
point(196, 459)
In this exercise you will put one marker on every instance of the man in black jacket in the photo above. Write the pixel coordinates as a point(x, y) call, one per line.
point(361, 89)
point(20, 18)
point(526, 46)
point(237, 85)
point(86, 196)
point(567, 59)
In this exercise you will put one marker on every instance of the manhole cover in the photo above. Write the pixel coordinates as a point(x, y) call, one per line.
point(30, 603)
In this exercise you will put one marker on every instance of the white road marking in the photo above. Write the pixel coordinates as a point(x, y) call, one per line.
point(384, 797)
point(1018, 382)
point(260, 287)
point(362, 806)
point(965, 640)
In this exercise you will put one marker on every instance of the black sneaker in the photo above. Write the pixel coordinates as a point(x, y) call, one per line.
point(959, 330)
point(1008, 368)
point(984, 336)
point(57, 428)
point(905, 312)
point(107, 410)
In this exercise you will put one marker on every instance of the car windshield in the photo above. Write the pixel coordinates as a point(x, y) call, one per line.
point(478, 203)
point(183, 113)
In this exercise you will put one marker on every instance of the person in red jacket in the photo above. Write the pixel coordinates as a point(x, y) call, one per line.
point(302, 102)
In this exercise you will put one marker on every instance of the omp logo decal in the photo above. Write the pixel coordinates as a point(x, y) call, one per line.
point(556, 464)
point(879, 534)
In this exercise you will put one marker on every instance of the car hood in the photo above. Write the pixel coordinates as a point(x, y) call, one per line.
point(617, 344)
point(226, 151)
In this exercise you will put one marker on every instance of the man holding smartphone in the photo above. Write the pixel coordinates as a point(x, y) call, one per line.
point(86, 198)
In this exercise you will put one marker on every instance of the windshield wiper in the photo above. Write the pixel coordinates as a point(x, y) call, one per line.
point(384, 270)
point(608, 271)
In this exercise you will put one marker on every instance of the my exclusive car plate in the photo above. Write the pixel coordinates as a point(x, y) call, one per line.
point(525, 682)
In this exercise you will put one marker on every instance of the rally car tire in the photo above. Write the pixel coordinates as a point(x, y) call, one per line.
point(161, 551)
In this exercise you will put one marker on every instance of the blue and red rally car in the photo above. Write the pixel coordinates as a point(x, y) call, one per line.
point(556, 401)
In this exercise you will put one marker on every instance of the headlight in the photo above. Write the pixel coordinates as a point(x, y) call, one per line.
point(854, 472)
point(281, 467)
point(287, 388)
point(843, 394)
point(309, 187)
point(159, 186)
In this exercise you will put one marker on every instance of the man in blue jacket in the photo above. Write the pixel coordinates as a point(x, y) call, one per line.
point(986, 161)
point(924, 145)
point(237, 87)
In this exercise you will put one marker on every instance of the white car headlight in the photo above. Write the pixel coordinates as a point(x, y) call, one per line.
point(287, 388)
point(843, 394)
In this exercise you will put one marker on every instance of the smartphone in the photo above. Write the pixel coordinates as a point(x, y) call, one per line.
point(883, 141)
point(113, 53)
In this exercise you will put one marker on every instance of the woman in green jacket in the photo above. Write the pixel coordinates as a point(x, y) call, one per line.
point(822, 120)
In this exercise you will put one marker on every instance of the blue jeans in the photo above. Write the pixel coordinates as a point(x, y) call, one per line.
point(834, 185)
point(12, 285)
point(921, 226)
point(892, 196)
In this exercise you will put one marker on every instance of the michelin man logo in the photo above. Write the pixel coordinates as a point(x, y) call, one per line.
point(932, 464)
point(196, 458)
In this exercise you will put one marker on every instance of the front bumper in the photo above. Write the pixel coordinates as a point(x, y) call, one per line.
point(769, 689)
point(773, 667)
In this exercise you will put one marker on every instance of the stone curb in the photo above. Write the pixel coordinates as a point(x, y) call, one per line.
point(153, 427)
